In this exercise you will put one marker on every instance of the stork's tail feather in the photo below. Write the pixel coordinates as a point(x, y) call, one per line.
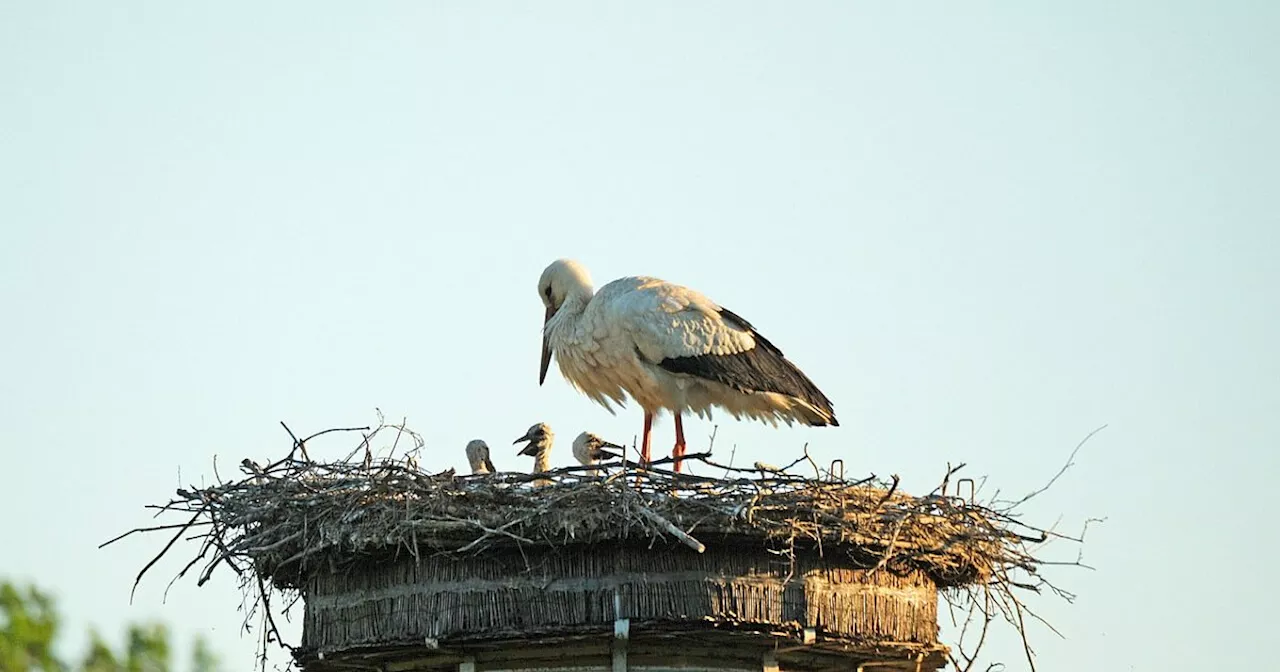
point(816, 417)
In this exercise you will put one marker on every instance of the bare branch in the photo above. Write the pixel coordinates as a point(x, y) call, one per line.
point(1067, 465)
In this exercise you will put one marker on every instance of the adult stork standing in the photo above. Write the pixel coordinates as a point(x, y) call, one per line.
point(668, 347)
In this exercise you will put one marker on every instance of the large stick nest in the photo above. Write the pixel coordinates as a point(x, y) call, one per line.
point(279, 524)
point(296, 516)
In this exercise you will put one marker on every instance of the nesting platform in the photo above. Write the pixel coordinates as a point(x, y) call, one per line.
point(404, 570)
point(734, 606)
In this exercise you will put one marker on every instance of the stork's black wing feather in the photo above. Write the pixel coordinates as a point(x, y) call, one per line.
point(760, 369)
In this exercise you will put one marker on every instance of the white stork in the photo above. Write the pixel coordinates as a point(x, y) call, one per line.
point(478, 456)
point(590, 449)
point(668, 347)
point(540, 438)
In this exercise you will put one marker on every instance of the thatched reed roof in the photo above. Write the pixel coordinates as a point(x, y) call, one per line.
point(534, 594)
point(659, 646)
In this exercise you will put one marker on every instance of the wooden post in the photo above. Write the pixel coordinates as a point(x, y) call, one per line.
point(621, 634)
point(770, 661)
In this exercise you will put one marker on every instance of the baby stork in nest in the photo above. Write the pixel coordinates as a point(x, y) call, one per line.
point(478, 457)
point(590, 449)
point(539, 437)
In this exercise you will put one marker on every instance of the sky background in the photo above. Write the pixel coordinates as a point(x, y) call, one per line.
point(983, 230)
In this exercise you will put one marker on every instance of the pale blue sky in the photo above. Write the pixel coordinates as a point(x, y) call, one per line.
point(983, 231)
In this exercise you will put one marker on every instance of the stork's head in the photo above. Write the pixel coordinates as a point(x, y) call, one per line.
point(589, 448)
point(563, 279)
point(478, 456)
point(539, 437)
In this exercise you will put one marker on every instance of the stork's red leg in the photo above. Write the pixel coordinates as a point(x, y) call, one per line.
point(644, 443)
point(678, 453)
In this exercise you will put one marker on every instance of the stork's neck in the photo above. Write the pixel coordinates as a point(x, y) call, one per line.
point(568, 315)
point(576, 300)
point(542, 458)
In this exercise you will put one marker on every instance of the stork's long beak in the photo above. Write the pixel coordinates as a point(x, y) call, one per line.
point(607, 448)
point(546, 347)
point(528, 449)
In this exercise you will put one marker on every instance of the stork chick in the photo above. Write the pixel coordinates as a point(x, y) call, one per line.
point(539, 437)
point(590, 449)
point(669, 348)
point(478, 456)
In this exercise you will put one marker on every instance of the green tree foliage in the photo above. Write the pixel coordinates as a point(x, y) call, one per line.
point(202, 659)
point(29, 628)
point(99, 657)
point(28, 624)
point(148, 649)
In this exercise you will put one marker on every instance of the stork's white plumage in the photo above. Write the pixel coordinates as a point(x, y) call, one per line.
point(540, 439)
point(589, 449)
point(668, 347)
point(478, 457)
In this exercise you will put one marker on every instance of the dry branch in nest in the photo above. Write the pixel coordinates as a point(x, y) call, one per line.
point(281, 523)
